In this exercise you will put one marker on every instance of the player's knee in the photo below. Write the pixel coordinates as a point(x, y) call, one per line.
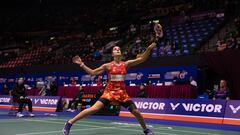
point(95, 109)
point(135, 112)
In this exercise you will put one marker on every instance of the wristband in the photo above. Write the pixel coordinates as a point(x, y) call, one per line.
point(81, 65)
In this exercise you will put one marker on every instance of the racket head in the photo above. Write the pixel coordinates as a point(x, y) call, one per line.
point(158, 30)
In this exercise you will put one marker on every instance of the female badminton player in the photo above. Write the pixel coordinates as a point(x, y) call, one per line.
point(115, 91)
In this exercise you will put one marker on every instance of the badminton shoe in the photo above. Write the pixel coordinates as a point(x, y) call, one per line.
point(19, 114)
point(148, 132)
point(67, 127)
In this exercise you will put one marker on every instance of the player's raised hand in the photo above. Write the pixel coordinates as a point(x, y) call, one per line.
point(77, 60)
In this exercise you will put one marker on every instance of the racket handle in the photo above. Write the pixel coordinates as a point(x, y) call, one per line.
point(155, 39)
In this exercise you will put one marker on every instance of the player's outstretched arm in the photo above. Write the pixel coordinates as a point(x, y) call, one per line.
point(142, 58)
point(99, 70)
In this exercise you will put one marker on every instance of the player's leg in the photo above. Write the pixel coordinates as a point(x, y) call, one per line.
point(139, 117)
point(69, 106)
point(133, 109)
point(95, 108)
point(75, 104)
point(29, 102)
point(141, 121)
point(20, 107)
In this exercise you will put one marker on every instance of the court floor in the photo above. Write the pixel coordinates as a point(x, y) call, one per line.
point(53, 126)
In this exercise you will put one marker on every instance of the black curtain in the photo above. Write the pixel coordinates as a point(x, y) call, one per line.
point(225, 65)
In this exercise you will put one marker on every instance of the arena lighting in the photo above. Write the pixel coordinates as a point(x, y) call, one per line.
point(51, 38)
point(219, 15)
point(154, 21)
point(113, 28)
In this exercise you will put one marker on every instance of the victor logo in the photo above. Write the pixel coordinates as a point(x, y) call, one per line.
point(202, 107)
point(174, 106)
point(4, 100)
point(48, 101)
point(36, 101)
point(234, 110)
point(150, 105)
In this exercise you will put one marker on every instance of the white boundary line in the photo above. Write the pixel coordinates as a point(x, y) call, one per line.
point(162, 133)
point(59, 131)
point(32, 106)
point(125, 124)
point(45, 121)
point(232, 119)
point(191, 116)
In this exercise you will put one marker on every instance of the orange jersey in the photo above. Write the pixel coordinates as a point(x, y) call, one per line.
point(115, 90)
